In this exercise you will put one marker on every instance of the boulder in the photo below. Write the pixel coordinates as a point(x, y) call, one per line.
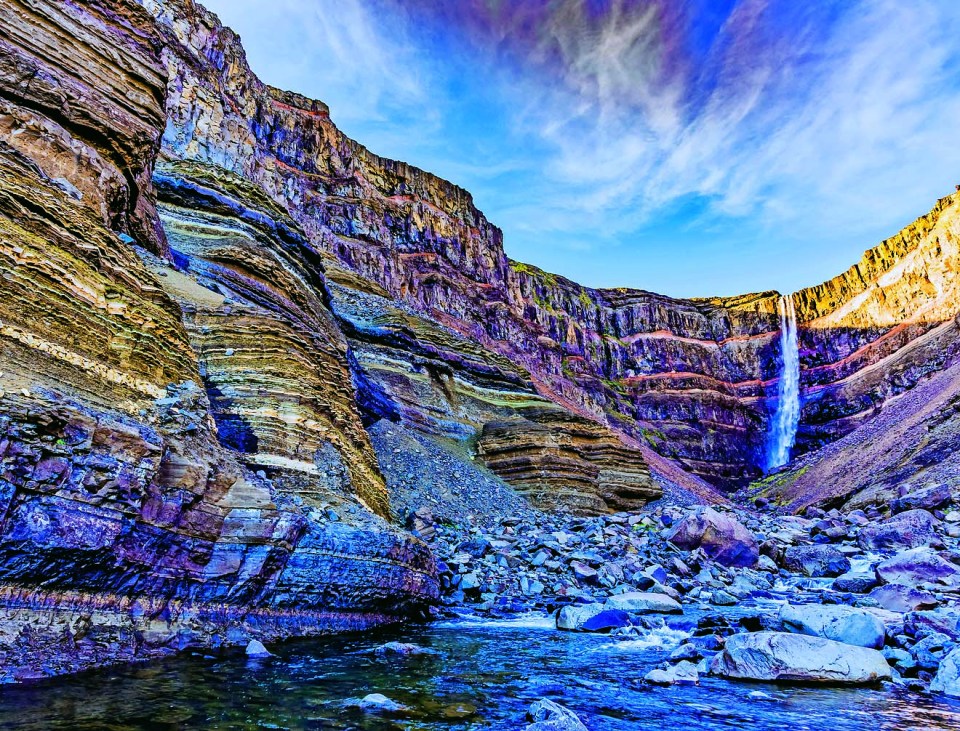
point(683, 673)
point(910, 529)
point(855, 583)
point(637, 602)
point(780, 656)
point(834, 622)
point(573, 616)
point(549, 716)
point(916, 566)
point(721, 537)
point(947, 679)
point(255, 648)
point(928, 498)
point(376, 702)
point(900, 598)
point(818, 560)
point(608, 619)
point(403, 649)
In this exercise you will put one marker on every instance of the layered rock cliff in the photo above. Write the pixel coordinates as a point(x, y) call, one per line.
point(693, 379)
point(134, 522)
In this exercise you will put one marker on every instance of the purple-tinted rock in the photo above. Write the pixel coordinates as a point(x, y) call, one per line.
point(721, 537)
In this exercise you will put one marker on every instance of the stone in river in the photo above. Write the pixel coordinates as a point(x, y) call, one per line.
point(834, 622)
point(549, 716)
point(638, 602)
point(819, 560)
point(784, 657)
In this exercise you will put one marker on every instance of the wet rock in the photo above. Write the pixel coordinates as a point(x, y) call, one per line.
point(819, 560)
point(723, 598)
point(549, 716)
point(834, 622)
point(376, 702)
point(947, 679)
point(855, 583)
point(683, 673)
point(721, 537)
point(255, 648)
point(783, 657)
point(608, 619)
point(910, 529)
point(644, 603)
point(573, 616)
point(917, 566)
point(402, 649)
point(900, 598)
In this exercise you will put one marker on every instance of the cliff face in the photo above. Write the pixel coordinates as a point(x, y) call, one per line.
point(133, 522)
point(694, 379)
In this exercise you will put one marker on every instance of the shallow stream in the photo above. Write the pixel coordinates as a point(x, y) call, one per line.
point(484, 676)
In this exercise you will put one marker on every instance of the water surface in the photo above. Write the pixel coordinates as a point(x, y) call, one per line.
point(484, 676)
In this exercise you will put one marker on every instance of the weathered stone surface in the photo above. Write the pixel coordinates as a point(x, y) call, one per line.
point(816, 560)
point(637, 602)
point(909, 529)
point(834, 622)
point(900, 598)
point(556, 458)
point(573, 616)
point(917, 566)
point(776, 656)
point(133, 524)
point(947, 679)
point(720, 536)
point(549, 716)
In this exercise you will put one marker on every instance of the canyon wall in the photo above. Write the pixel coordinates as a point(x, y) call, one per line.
point(694, 380)
point(176, 471)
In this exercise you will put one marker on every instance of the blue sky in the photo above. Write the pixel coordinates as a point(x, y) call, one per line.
point(690, 147)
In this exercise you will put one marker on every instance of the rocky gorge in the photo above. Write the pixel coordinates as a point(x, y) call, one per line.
point(258, 383)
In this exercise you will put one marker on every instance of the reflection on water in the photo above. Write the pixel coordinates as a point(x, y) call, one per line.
point(484, 676)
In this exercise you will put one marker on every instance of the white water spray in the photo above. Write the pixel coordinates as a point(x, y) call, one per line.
point(787, 417)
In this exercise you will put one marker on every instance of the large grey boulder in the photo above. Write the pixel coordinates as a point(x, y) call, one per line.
point(549, 716)
point(640, 602)
point(721, 537)
point(907, 530)
point(834, 622)
point(819, 560)
point(901, 598)
point(947, 679)
point(928, 498)
point(785, 657)
point(918, 566)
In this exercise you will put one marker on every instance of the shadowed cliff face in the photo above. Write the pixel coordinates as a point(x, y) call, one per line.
point(132, 523)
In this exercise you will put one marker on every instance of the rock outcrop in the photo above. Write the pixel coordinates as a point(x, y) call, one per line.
point(138, 515)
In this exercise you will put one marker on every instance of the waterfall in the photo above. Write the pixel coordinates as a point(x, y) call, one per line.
point(787, 416)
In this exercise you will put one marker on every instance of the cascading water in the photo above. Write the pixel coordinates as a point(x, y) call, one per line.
point(784, 430)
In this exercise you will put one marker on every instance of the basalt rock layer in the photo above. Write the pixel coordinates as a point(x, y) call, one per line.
point(141, 513)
